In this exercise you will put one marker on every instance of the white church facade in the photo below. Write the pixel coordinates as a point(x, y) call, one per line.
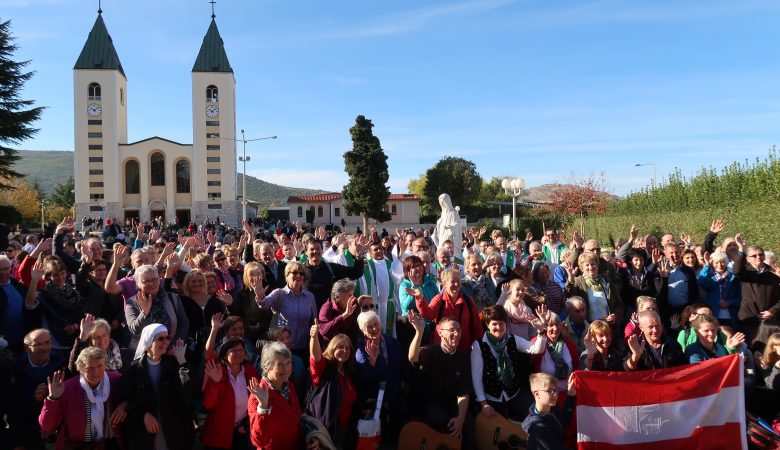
point(154, 177)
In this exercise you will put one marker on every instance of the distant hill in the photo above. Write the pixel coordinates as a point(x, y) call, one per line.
point(542, 193)
point(50, 168)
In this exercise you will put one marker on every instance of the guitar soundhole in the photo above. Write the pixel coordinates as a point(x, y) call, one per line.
point(515, 440)
point(496, 435)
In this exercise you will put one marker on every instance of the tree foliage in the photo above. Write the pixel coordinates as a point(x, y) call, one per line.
point(366, 193)
point(455, 176)
point(64, 194)
point(21, 197)
point(16, 115)
point(581, 197)
point(417, 186)
point(493, 191)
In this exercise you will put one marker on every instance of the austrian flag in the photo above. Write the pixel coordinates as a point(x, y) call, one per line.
point(697, 406)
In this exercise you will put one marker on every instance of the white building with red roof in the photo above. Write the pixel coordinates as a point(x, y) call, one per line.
point(329, 208)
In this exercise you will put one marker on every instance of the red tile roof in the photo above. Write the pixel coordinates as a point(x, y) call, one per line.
point(336, 196)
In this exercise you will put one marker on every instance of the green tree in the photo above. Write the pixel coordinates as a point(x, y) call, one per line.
point(454, 176)
point(366, 193)
point(417, 186)
point(492, 190)
point(64, 194)
point(16, 116)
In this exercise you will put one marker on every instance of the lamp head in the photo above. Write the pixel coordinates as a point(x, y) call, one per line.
point(505, 183)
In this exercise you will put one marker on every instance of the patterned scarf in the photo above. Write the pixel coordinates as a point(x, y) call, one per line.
point(158, 313)
point(596, 285)
point(505, 369)
point(284, 391)
point(556, 353)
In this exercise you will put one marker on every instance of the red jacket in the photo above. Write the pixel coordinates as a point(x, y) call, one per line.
point(279, 429)
point(573, 351)
point(219, 400)
point(463, 309)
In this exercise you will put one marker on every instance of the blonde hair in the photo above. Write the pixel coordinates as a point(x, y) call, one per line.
point(770, 355)
point(587, 257)
point(248, 269)
point(541, 381)
point(643, 300)
point(87, 355)
point(337, 340)
point(599, 327)
point(185, 285)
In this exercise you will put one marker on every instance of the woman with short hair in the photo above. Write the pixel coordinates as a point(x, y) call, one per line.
point(61, 306)
point(599, 352)
point(559, 355)
point(96, 333)
point(257, 319)
point(603, 296)
point(722, 289)
point(152, 304)
point(84, 410)
point(706, 345)
point(225, 397)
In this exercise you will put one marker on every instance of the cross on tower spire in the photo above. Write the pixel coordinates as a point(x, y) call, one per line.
point(100, 10)
point(212, 8)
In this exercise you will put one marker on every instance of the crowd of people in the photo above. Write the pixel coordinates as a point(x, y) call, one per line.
point(282, 336)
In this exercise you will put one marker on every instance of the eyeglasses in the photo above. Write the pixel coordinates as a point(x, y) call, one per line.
point(151, 280)
point(162, 338)
point(552, 392)
point(299, 273)
point(367, 307)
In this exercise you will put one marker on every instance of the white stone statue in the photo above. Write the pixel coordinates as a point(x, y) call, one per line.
point(448, 226)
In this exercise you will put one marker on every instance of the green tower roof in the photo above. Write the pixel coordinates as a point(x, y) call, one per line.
point(212, 56)
point(99, 51)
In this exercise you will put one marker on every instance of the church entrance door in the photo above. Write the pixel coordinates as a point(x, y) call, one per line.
point(155, 213)
point(132, 214)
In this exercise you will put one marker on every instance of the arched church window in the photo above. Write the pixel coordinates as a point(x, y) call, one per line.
point(212, 93)
point(182, 177)
point(93, 91)
point(158, 169)
point(132, 177)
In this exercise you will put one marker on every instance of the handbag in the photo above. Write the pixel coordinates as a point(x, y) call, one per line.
point(370, 430)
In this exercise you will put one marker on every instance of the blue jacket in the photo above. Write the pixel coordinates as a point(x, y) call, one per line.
point(697, 353)
point(708, 282)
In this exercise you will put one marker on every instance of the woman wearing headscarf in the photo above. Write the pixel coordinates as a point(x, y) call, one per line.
point(85, 410)
point(158, 384)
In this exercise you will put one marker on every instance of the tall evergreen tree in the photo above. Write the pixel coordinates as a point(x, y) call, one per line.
point(16, 116)
point(366, 164)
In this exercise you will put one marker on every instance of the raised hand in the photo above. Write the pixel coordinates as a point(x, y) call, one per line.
point(577, 240)
point(86, 325)
point(740, 240)
point(717, 226)
point(686, 238)
point(217, 319)
point(213, 371)
point(139, 231)
point(121, 254)
point(56, 384)
point(529, 236)
point(224, 297)
point(372, 349)
point(636, 347)
point(44, 246)
point(674, 321)
point(65, 226)
point(415, 292)
point(169, 248)
point(37, 269)
point(735, 340)
point(144, 301)
point(213, 240)
point(656, 255)
point(633, 232)
point(416, 322)
point(542, 318)
point(398, 233)
point(179, 350)
point(172, 265)
point(261, 393)
point(590, 345)
point(572, 388)
point(314, 330)
point(154, 234)
point(706, 258)
point(259, 289)
point(351, 306)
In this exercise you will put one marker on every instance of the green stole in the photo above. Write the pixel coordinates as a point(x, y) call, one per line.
point(548, 254)
point(510, 261)
point(390, 318)
point(358, 288)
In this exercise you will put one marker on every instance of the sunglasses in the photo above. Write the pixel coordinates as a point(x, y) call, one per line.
point(367, 307)
point(162, 338)
point(298, 273)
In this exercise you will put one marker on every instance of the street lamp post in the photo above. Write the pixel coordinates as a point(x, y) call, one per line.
point(244, 159)
point(43, 216)
point(654, 170)
point(513, 187)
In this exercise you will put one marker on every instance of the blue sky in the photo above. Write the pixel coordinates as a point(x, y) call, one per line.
point(534, 89)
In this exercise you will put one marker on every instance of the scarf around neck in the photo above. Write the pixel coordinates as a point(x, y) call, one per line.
point(97, 400)
point(505, 371)
point(595, 284)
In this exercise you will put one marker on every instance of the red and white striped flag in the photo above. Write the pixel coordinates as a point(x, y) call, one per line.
point(697, 406)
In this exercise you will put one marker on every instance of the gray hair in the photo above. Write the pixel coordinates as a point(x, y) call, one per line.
point(87, 355)
point(770, 258)
point(28, 338)
point(365, 317)
point(572, 300)
point(566, 254)
point(535, 244)
point(648, 313)
point(98, 323)
point(340, 287)
point(719, 256)
point(272, 351)
point(6, 259)
point(141, 271)
point(554, 319)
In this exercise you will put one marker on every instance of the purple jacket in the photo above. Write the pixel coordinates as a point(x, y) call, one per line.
point(332, 323)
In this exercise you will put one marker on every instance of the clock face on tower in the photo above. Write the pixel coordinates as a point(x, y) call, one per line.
point(212, 111)
point(94, 110)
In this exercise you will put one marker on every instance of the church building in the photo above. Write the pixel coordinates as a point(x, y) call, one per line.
point(154, 177)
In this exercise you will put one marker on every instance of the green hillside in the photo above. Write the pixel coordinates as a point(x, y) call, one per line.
point(50, 168)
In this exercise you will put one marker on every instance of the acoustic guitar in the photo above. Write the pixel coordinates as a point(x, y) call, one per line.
point(498, 432)
point(417, 435)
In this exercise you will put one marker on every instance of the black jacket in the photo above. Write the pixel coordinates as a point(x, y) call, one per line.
point(671, 356)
